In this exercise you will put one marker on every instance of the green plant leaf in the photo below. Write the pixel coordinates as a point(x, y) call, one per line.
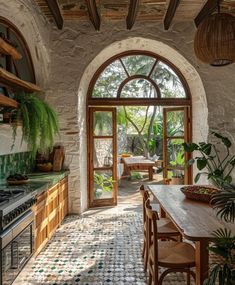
point(201, 163)
point(225, 140)
point(232, 162)
point(190, 147)
point(197, 177)
point(206, 148)
point(39, 122)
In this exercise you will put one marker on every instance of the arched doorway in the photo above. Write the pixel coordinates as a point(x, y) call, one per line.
point(198, 97)
point(135, 78)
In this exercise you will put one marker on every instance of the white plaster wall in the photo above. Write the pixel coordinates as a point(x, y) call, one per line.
point(6, 141)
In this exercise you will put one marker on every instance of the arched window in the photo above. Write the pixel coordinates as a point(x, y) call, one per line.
point(138, 77)
point(22, 68)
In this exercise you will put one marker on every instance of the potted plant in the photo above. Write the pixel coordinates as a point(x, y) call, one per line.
point(39, 122)
point(218, 166)
point(103, 182)
point(178, 176)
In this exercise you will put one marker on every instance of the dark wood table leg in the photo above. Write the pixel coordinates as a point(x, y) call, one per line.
point(150, 173)
point(202, 261)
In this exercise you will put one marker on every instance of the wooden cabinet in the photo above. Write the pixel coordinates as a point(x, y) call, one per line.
point(50, 209)
point(40, 222)
point(63, 199)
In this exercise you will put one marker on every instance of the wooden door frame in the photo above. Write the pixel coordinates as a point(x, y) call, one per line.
point(164, 102)
point(187, 138)
point(101, 202)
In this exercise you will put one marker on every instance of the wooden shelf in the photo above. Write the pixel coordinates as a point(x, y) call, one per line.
point(7, 49)
point(7, 102)
point(10, 80)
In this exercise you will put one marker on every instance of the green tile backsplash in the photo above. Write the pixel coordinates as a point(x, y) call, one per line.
point(20, 162)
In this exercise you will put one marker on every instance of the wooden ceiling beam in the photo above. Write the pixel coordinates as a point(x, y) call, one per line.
point(93, 14)
point(207, 9)
point(56, 13)
point(132, 13)
point(170, 13)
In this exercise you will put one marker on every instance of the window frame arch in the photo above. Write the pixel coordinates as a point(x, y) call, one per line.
point(4, 21)
point(133, 77)
point(104, 101)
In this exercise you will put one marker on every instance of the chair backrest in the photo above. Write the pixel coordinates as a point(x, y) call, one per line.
point(151, 229)
point(145, 195)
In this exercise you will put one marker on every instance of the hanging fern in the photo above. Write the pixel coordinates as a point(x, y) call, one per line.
point(39, 122)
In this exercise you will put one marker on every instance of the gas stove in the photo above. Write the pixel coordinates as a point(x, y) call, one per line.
point(16, 227)
point(14, 202)
point(7, 195)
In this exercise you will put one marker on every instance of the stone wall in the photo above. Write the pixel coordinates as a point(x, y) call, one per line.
point(69, 58)
point(78, 51)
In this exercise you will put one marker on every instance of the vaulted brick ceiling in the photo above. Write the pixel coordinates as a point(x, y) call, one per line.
point(147, 10)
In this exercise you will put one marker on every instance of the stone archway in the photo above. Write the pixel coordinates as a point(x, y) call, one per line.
point(199, 102)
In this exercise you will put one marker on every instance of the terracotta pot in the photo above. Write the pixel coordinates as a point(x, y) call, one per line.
point(177, 180)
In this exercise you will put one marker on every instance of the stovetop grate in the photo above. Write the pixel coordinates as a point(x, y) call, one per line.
point(6, 195)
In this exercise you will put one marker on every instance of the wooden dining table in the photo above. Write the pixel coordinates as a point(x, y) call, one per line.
point(195, 220)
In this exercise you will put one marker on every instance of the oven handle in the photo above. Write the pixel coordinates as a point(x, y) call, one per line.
point(22, 223)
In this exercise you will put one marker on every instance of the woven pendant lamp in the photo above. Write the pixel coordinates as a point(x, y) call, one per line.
point(214, 41)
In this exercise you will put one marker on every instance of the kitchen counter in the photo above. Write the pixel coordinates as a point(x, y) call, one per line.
point(38, 180)
point(38, 183)
point(49, 178)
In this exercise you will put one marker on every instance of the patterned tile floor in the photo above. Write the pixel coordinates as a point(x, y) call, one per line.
point(95, 249)
point(101, 247)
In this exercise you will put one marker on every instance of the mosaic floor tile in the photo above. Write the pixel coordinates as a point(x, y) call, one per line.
point(96, 249)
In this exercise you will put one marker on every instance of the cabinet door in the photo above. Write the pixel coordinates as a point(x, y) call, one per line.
point(53, 209)
point(41, 223)
point(63, 199)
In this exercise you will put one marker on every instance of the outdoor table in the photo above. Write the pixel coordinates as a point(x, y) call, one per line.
point(138, 163)
point(195, 220)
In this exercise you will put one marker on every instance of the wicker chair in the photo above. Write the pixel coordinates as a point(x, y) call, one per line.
point(166, 229)
point(174, 256)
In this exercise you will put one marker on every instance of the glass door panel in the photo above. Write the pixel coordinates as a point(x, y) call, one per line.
point(176, 130)
point(103, 123)
point(175, 123)
point(103, 152)
point(103, 187)
point(102, 157)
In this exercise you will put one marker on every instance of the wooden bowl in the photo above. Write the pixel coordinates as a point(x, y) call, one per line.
point(44, 167)
point(16, 182)
point(199, 192)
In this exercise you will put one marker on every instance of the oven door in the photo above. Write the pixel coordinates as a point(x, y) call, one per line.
point(18, 250)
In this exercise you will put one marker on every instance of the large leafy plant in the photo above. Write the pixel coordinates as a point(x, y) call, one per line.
point(104, 181)
point(39, 122)
point(224, 271)
point(213, 162)
point(218, 165)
